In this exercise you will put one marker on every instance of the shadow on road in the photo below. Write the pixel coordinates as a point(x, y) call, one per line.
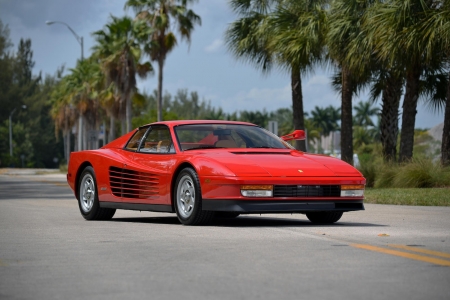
point(246, 221)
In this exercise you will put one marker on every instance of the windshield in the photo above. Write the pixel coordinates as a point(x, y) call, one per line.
point(210, 136)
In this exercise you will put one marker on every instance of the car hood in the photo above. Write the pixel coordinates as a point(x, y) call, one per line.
point(284, 163)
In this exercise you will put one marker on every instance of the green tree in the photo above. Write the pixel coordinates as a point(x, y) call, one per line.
point(435, 39)
point(395, 31)
point(364, 111)
point(164, 16)
point(287, 33)
point(345, 27)
point(119, 51)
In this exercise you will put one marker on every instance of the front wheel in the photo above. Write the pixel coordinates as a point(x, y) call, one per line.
point(188, 199)
point(325, 217)
point(88, 198)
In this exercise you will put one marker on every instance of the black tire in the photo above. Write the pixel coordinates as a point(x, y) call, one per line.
point(227, 214)
point(187, 199)
point(88, 198)
point(325, 217)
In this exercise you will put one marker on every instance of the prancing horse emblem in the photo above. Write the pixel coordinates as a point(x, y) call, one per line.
point(301, 171)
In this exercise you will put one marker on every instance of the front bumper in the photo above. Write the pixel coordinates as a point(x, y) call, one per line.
point(291, 206)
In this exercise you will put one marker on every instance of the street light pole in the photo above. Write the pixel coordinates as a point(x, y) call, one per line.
point(79, 38)
point(81, 42)
point(10, 130)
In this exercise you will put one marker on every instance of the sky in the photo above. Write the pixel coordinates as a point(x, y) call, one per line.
point(205, 66)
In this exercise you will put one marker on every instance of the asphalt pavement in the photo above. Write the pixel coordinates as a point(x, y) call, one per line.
point(48, 251)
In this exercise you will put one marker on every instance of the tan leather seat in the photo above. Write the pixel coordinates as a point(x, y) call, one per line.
point(163, 146)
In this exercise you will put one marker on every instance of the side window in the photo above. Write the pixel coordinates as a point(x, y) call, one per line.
point(133, 144)
point(158, 140)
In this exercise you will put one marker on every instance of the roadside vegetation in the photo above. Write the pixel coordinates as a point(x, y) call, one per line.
point(409, 196)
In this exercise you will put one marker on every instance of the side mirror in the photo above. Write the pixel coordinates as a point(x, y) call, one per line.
point(296, 135)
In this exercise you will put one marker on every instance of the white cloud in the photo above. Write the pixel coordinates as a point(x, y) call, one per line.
point(214, 46)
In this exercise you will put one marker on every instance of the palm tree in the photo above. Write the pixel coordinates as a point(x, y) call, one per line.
point(364, 111)
point(324, 121)
point(436, 41)
point(395, 30)
point(118, 49)
point(63, 113)
point(82, 82)
point(287, 33)
point(163, 16)
point(344, 28)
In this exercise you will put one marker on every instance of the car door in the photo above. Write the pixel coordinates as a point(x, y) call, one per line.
point(152, 167)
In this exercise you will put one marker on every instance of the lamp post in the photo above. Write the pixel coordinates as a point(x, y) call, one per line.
point(10, 130)
point(79, 38)
point(80, 41)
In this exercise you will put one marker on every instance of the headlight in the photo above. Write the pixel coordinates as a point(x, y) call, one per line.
point(257, 190)
point(352, 190)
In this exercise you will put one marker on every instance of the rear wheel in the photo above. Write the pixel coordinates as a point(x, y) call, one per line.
point(188, 199)
point(325, 217)
point(88, 198)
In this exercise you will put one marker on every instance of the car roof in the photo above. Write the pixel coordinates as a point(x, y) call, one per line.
point(187, 122)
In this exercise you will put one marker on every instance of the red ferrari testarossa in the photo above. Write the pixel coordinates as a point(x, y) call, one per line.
point(203, 169)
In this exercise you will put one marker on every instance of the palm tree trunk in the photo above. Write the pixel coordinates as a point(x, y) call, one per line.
point(128, 112)
point(160, 87)
point(68, 145)
point(409, 114)
point(445, 149)
point(85, 134)
point(346, 117)
point(80, 132)
point(297, 105)
point(389, 117)
point(66, 133)
point(112, 128)
point(122, 118)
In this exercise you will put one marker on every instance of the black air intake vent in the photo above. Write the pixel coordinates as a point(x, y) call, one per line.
point(132, 184)
point(306, 191)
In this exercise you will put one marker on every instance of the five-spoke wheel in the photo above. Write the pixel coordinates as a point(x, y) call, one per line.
point(188, 200)
point(87, 192)
point(88, 198)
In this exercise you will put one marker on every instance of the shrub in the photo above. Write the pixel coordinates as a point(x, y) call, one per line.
point(367, 166)
point(419, 173)
point(416, 174)
point(385, 175)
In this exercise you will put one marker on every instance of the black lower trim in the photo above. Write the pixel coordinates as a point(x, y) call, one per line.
point(269, 206)
point(136, 206)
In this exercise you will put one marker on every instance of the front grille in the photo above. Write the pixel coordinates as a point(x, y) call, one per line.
point(132, 184)
point(306, 191)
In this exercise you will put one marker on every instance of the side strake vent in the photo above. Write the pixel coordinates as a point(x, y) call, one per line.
point(132, 184)
point(306, 191)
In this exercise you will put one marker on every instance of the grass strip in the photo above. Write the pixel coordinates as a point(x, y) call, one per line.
point(409, 196)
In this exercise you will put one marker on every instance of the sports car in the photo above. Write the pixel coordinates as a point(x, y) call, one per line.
point(205, 169)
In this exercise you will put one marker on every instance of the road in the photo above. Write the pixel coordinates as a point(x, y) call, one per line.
point(48, 251)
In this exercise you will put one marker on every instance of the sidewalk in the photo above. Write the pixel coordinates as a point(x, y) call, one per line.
point(35, 174)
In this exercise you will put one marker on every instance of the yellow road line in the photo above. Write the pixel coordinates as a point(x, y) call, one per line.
point(424, 251)
point(431, 260)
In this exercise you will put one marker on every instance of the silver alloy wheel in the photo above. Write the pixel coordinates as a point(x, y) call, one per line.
point(87, 192)
point(186, 196)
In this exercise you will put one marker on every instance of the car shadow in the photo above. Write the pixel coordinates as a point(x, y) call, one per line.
point(247, 221)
